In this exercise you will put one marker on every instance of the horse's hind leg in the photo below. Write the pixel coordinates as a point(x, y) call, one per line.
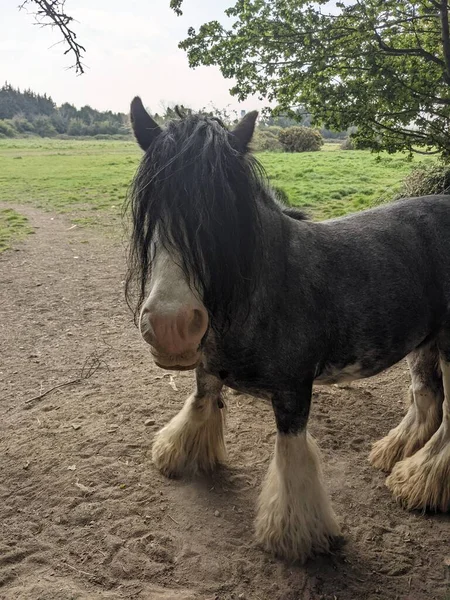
point(193, 440)
point(422, 481)
point(295, 519)
point(424, 413)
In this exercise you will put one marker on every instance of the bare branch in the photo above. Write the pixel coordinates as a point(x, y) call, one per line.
point(52, 13)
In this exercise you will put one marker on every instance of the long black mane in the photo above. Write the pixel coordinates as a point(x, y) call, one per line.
point(201, 197)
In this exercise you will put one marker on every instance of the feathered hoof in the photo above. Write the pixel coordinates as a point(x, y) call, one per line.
point(404, 440)
point(295, 538)
point(422, 481)
point(191, 442)
point(386, 452)
point(295, 519)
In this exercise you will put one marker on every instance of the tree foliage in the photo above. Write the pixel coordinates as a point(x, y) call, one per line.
point(382, 65)
point(14, 102)
point(27, 112)
point(6, 129)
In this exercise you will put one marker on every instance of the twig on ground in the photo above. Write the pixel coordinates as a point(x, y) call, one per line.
point(79, 570)
point(55, 387)
point(91, 365)
point(172, 519)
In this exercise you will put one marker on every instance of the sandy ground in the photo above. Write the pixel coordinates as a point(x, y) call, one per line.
point(84, 514)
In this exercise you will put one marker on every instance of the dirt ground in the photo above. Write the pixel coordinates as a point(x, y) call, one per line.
point(84, 514)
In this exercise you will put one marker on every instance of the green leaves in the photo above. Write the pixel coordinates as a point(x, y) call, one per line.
point(380, 64)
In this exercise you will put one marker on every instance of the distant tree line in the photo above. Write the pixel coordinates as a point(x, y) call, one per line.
point(27, 113)
point(24, 113)
point(281, 133)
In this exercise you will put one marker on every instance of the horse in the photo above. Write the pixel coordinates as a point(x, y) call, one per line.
point(254, 296)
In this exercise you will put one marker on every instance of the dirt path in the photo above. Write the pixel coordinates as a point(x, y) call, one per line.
point(83, 513)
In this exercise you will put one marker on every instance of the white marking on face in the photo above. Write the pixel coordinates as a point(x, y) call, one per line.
point(173, 320)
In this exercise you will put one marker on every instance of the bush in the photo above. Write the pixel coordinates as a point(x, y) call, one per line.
point(6, 130)
point(59, 123)
point(43, 126)
point(347, 144)
point(265, 139)
point(22, 125)
point(76, 127)
point(424, 181)
point(300, 139)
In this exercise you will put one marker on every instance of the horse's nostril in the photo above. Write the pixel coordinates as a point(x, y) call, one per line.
point(197, 322)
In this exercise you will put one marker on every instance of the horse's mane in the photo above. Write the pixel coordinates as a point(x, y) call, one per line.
point(295, 213)
point(202, 197)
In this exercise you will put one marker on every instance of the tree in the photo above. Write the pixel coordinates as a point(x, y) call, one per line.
point(38, 113)
point(14, 102)
point(382, 65)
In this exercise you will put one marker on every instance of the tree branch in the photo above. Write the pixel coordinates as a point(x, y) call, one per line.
point(401, 132)
point(407, 51)
point(52, 13)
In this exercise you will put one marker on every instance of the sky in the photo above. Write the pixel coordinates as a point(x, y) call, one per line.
point(131, 49)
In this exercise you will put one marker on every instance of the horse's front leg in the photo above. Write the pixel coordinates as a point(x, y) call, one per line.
point(193, 440)
point(295, 519)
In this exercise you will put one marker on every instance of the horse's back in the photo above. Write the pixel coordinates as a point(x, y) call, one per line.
point(381, 280)
point(411, 234)
point(424, 215)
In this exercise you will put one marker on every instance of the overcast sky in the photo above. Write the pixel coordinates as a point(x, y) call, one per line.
point(131, 48)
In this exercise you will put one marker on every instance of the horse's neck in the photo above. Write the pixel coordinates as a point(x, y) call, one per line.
point(282, 249)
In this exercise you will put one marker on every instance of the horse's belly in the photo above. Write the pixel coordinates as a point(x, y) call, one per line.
point(333, 374)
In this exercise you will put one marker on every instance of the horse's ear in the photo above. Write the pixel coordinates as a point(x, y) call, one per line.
point(243, 132)
point(145, 129)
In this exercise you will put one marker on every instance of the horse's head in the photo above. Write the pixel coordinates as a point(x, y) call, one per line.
point(192, 230)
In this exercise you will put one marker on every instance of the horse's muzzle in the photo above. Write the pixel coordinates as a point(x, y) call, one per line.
point(177, 363)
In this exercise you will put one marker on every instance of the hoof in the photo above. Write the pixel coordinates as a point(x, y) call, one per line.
point(422, 481)
point(403, 441)
point(192, 441)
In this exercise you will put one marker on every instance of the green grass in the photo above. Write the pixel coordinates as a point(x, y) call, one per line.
point(336, 182)
point(67, 176)
point(88, 179)
point(13, 226)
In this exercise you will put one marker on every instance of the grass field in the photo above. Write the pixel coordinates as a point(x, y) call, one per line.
point(84, 178)
point(13, 226)
point(337, 182)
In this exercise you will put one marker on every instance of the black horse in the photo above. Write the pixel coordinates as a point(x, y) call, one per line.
point(256, 297)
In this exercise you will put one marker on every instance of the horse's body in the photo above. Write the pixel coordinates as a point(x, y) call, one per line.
point(262, 300)
point(359, 294)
